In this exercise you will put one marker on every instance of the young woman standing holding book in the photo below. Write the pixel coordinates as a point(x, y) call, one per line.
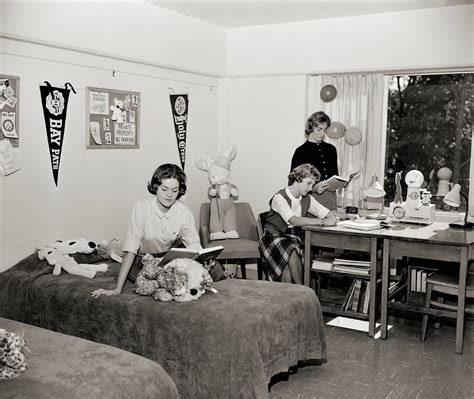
point(322, 155)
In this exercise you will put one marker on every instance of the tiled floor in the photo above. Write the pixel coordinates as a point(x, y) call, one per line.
point(400, 367)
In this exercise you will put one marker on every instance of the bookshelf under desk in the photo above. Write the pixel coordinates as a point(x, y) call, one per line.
point(355, 240)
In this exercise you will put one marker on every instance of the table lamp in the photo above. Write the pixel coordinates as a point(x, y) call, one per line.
point(375, 190)
point(453, 198)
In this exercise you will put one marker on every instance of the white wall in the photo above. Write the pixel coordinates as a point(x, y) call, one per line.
point(266, 121)
point(430, 38)
point(136, 30)
point(97, 188)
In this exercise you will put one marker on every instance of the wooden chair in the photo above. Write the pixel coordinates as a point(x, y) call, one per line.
point(262, 217)
point(447, 285)
point(240, 249)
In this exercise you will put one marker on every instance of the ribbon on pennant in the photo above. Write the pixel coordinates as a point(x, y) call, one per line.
point(55, 101)
point(179, 108)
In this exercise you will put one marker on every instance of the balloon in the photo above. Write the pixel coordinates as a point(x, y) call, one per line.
point(328, 93)
point(353, 136)
point(336, 130)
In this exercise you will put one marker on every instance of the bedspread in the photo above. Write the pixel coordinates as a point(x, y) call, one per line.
point(62, 366)
point(224, 345)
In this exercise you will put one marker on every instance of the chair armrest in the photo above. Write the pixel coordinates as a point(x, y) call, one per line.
point(204, 236)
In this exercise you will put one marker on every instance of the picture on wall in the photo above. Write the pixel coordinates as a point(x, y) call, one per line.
point(9, 108)
point(113, 118)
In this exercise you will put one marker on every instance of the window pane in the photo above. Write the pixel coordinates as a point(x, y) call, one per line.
point(429, 128)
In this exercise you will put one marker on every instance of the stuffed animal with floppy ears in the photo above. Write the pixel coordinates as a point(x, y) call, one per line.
point(222, 218)
point(58, 253)
point(181, 280)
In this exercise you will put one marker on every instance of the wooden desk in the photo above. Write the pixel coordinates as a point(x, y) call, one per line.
point(343, 238)
point(436, 242)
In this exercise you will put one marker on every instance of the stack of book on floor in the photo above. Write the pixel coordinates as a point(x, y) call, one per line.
point(351, 265)
point(358, 297)
point(324, 262)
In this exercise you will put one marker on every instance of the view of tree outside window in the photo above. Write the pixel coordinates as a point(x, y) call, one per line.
point(429, 128)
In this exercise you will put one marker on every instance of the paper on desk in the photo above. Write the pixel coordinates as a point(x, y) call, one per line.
point(354, 324)
point(424, 232)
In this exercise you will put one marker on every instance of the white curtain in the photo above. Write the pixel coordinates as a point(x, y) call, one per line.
point(360, 102)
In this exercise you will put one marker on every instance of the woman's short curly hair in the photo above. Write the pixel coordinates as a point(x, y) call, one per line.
point(303, 171)
point(316, 119)
point(168, 171)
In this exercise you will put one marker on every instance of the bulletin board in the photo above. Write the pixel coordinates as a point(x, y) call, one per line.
point(113, 118)
point(10, 109)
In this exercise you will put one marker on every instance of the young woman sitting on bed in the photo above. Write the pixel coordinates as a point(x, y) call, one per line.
point(282, 244)
point(156, 224)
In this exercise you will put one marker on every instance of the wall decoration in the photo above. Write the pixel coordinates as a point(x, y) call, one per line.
point(353, 136)
point(179, 108)
point(55, 101)
point(328, 93)
point(8, 158)
point(113, 118)
point(336, 130)
point(9, 108)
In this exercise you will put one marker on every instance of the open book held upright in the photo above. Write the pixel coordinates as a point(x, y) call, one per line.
point(335, 182)
point(199, 256)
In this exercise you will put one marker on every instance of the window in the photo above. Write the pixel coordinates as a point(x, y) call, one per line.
point(429, 128)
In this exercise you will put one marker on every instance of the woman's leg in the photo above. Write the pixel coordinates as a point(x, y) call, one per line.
point(295, 267)
point(286, 275)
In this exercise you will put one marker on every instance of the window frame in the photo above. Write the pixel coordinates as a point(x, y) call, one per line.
point(383, 139)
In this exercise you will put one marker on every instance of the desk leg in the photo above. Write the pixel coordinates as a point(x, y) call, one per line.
point(385, 279)
point(461, 300)
point(373, 286)
point(307, 257)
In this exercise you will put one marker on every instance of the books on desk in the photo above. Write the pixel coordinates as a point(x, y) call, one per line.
point(361, 224)
point(199, 256)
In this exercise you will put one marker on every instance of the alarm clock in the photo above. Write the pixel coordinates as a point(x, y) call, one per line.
point(413, 210)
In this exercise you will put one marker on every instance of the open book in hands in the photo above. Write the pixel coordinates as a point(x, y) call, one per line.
point(199, 256)
point(335, 182)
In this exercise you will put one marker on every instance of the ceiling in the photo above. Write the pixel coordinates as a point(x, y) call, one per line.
point(231, 14)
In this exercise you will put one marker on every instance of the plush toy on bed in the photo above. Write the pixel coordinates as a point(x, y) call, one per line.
point(180, 280)
point(58, 254)
point(222, 218)
point(12, 358)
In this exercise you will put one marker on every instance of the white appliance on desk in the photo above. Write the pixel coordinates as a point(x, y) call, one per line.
point(417, 207)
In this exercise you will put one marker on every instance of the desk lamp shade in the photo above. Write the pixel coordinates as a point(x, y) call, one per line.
point(453, 198)
point(375, 190)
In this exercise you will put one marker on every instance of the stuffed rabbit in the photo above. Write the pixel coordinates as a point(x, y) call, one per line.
point(222, 220)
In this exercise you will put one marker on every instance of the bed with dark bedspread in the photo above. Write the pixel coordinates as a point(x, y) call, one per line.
point(62, 366)
point(224, 345)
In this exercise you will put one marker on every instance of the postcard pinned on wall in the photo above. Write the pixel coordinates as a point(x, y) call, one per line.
point(113, 118)
point(8, 158)
point(9, 108)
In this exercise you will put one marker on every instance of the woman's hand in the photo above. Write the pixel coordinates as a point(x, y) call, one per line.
point(321, 187)
point(101, 291)
point(330, 219)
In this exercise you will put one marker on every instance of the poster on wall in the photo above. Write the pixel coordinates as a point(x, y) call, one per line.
point(113, 118)
point(55, 101)
point(179, 108)
point(9, 109)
